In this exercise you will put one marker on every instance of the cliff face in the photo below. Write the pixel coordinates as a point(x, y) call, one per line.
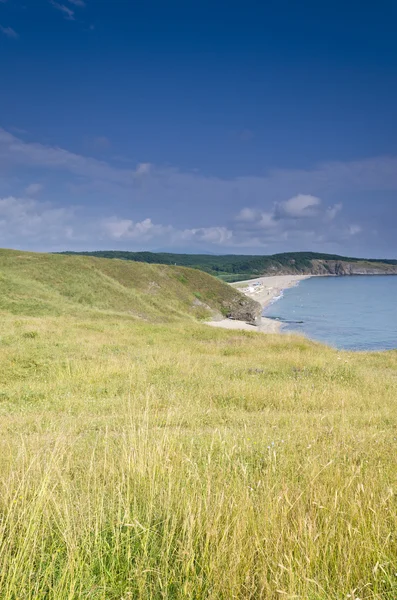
point(242, 308)
point(335, 267)
point(328, 266)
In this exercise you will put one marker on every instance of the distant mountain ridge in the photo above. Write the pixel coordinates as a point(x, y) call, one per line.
point(234, 267)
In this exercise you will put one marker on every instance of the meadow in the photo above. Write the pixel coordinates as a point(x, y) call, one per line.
point(143, 459)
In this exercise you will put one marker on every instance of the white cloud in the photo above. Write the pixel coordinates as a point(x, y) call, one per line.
point(209, 235)
point(29, 219)
point(9, 32)
point(79, 3)
point(196, 209)
point(143, 169)
point(68, 13)
point(256, 218)
point(33, 189)
point(302, 206)
point(247, 215)
point(354, 229)
point(46, 226)
point(267, 220)
point(332, 211)
point(117, 228)
point(126, 229)
point(301, 217)
point(298, 207)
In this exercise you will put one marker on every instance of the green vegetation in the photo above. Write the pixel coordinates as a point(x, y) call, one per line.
point(144, 459)
point(51, 284)
point(236, 268)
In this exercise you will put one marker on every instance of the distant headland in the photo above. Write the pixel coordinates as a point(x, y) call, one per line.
point(234, 267)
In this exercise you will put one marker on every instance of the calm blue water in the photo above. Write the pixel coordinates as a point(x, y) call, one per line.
point(355, 313)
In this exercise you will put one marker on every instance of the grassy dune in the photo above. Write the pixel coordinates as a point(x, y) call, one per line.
point(144, 460)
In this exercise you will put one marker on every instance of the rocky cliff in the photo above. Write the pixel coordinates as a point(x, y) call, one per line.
point(340, 267)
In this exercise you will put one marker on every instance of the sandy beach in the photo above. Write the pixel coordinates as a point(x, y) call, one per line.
point(264, 290)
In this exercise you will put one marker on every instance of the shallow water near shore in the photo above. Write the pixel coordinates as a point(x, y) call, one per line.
point(354, 313)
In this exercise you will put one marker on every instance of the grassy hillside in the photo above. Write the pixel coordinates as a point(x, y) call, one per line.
point(235, 268)
point(147, 460)
point(36, 284)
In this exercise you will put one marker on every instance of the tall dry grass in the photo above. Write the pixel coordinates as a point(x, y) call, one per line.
point(183, 462)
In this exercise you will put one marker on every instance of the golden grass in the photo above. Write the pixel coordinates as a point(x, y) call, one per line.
point(143, 461)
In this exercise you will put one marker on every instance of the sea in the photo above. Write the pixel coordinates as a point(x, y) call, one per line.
point(350, 312)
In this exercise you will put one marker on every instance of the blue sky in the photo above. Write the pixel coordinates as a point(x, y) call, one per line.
point(228, 127)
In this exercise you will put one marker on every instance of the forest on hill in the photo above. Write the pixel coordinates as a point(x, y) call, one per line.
point(234, 267)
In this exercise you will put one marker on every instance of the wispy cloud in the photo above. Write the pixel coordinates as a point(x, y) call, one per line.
point(355, 229)
point(33, 188)
point(29, 219)
point(9, 32)
point(146, 203)
point(143, 169)
point(18, 130)
point(80, 3)
point(332, 211)
point(15, 151)
point(68, 13)
point(378, 173)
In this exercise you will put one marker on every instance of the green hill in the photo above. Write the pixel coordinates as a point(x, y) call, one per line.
point(40, 284)
point(239, 267)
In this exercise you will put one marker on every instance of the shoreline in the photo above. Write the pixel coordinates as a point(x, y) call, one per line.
point(264, 290)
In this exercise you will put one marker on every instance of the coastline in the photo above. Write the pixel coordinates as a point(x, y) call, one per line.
point(264, 290)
